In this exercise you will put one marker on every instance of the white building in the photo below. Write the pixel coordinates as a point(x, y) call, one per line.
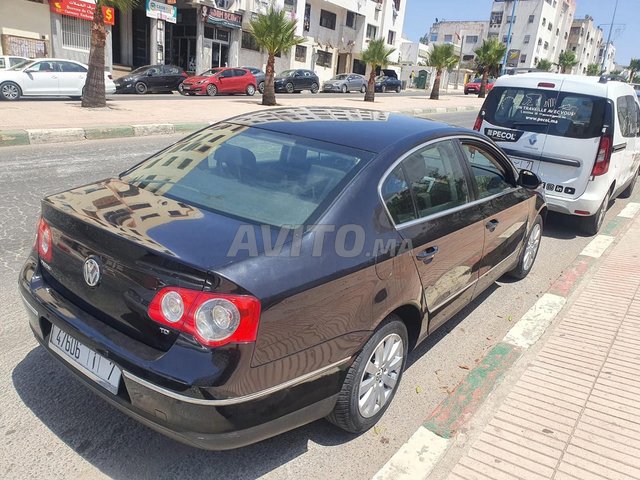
point(540, 29)
point(607, 63)
point(467, 35)
point(585, 40)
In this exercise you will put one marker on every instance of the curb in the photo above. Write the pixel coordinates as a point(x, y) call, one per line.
point(417, 458)
point(39, 136)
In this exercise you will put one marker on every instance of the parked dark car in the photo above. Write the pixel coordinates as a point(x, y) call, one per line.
point(259, 74)
point(385, 83)
point(151, 78)
point(220, 80)
point(189, 293)
point(291, 81)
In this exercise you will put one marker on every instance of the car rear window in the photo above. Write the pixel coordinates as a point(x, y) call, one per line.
point(564, 114)
point(250, 173)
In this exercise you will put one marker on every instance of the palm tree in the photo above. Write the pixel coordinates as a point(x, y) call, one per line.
point(593, 69)
point(490, 54)
point(93, 95)
point(567, 60)
point(544, 65)
point(634, 66)
point(375, 55)
point(442, 57)
point(276, 34)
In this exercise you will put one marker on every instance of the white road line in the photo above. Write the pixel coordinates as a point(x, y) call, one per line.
point(597, 246)
point(415, 459)
point(533, 324)
point(630, 210)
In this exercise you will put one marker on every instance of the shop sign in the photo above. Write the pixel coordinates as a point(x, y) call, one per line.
point(162, 11)
point(81, 9)
point(512, 58)
point(222, 18)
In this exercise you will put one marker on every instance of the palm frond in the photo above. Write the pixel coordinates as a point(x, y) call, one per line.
point(122, 5)
point(274, 32)
point(443, 57)
point(377, 53)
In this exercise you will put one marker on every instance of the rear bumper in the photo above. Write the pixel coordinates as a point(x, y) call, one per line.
point(589, 201)
point(183, 409)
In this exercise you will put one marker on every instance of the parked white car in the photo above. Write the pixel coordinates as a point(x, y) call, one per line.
point(47, 77)
point(580, 135)
point(8, 61)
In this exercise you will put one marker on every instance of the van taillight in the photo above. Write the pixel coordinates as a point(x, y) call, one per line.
point(478, 123)
point(44, 241)
point(604, 156)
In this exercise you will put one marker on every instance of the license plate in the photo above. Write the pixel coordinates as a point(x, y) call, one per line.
point(523, 164)
point(92, 364)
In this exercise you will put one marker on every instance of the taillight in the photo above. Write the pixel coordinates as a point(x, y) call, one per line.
point(214, 319)
point(44, 241)
point(478, 123)
point(110, 77)
point(604, 156)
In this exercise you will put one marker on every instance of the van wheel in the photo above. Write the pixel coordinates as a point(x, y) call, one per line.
point(629, 190)
point(529, 251)
point(591, 225)
point(373, 378)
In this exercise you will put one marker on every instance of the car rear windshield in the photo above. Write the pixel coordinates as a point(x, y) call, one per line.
point(563, 114)
point(250, 173)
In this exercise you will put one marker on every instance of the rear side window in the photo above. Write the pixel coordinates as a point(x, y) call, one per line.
point(71, 67)
point(2, 64)
point(563, 114)
point(627, 116)
point(397, 197)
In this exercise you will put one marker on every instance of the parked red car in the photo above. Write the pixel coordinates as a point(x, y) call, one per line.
point(473, 86)
point(220, 80)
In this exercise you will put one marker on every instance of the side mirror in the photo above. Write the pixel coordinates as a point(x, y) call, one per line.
point(528, 180)
point(149, 73)
point(28, 70)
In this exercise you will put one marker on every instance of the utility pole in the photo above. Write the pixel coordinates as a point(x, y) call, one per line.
point(459, 58)
point(506, 53)
point(606, 49)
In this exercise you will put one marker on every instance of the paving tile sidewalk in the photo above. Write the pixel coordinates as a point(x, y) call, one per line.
point(574, 414)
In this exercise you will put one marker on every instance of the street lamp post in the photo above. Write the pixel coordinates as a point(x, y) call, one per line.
point(459, 59)
point(506, 53)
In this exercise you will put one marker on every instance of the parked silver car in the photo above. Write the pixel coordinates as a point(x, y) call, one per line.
point(346, 82)
point(259, 74)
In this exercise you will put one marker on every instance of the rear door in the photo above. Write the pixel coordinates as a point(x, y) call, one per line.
point(240, 80)
point(625, 158)
point(72, 78)
point(429, 197)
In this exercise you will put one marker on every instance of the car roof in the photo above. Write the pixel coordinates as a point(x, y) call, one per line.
point(370, 130)
point(572, 83)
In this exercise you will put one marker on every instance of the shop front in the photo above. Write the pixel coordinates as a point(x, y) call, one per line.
point(219, 34)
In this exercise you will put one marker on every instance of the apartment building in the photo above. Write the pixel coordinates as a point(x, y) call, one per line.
point(585, 40)
point(539, 29)
point(466, 35)
point(607, 57)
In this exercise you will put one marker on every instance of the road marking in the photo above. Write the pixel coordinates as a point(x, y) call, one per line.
point(630, 210)
point(597, 246)
point(415, 459)
point(533, 324)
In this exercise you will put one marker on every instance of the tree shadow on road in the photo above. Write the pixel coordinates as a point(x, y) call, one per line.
point(122, 448)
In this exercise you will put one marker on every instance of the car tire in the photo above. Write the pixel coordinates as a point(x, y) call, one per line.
point(466, 92)
point(212, 90)
point(383, 89)
point(398, 89)
point(344, 89)
point(366, 378)
point(261, 87)
point(627, 192)
point(289, 87)
point(314, 88)
point(251, 90)
point(363, 89)
point(181, 89)
point(10, 91)
point(141, 88)
point(529, 250)
point(591, 225)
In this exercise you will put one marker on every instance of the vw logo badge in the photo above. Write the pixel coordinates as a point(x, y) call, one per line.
point(91, 272)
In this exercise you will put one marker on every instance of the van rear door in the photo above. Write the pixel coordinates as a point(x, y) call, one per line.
point(549, 130)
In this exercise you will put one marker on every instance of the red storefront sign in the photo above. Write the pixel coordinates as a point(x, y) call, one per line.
point(81, 9)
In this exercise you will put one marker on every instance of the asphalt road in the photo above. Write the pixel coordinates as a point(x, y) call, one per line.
point(53, 427)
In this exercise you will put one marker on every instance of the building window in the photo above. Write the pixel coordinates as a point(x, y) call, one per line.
point(76, 33)
point(492, 35)
point(307, 17)
point(557, 32)
point(434, 37)
point(249, 41)
point(527, 39)
point(523, 58)
point(509, 19)
point(539, 41)
point(496, 18)
point(327, 19)
point(372, 31)
point(468, 58)
point(324, 58)
point(301, 53)
point(544, 21)
point(351, 19)
point(546, 45)
point(550, 27)
point(472, 39)
point(391, 37)
point(448, 38)
point(532, 18)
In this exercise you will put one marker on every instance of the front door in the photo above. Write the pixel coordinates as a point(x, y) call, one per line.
point(41, 79)
point(429, 196)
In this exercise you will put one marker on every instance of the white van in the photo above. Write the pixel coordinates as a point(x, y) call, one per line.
point(581, 135)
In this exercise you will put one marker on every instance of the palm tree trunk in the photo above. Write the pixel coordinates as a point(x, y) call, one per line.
point(370, 95)
point(435, 91)
point(483, 85)
point(93, 92)
point(269, 94)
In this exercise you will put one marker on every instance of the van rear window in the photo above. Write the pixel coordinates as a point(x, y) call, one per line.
point(564, 114)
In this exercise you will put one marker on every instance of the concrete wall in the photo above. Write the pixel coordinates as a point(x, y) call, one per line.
point(22, 18)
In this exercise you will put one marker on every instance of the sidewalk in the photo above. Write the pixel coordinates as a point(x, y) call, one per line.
point(33, 121)
point(574, 412)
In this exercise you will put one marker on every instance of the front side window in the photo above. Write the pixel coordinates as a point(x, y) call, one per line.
point(491, 177)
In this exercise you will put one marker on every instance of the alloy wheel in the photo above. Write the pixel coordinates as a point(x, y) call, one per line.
point(251, 90)
point(289, 87)
point(531, 250)
point(212, 90)
point(344, 89)
point(141, 88)
point(380, 375)
point(10, 91)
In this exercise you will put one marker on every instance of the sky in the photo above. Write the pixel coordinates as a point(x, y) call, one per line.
point(420, 14)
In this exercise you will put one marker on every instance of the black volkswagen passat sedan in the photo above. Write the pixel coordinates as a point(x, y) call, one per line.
point(275, 268)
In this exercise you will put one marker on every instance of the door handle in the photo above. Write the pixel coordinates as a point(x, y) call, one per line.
point(427, 255)
point(492, 224)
